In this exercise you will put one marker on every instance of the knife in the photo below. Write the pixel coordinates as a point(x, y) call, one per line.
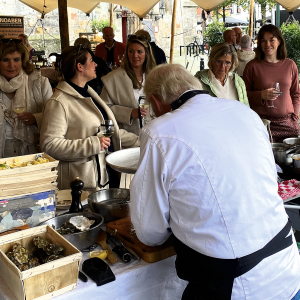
point(118, 247)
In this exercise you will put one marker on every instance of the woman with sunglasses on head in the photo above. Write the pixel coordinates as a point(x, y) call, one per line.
point(23, 92)
point(272, 84)
point(124, 86)
point(71, 120)
point(219, 80)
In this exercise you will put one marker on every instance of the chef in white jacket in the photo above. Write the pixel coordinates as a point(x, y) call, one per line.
point(207, 175)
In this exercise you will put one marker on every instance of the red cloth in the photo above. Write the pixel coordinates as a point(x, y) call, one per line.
point(119, 50)
point(258, 76)
point(288, 189)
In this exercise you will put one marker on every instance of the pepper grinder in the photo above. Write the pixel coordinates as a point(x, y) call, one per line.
point(76, 187)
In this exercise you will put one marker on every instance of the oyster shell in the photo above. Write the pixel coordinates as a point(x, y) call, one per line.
point(82, 223)
point(33, 262)
point(20, 253)
point(52, 257)
point(40, 242)
point(54, 249)
point(23, 267)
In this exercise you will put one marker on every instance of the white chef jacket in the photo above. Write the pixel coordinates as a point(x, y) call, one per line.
point(207, 172)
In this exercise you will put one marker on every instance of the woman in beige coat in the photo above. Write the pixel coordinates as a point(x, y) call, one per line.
point(70, 122)
point(123, 87)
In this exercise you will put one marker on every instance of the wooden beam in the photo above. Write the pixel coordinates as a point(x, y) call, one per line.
point(173, 30)
point(251, 18)
point(111, 17)
point(63, 23)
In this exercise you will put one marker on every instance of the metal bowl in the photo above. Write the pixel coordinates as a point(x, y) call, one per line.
point(291, 141)
point(106, 203)
point(81, 240)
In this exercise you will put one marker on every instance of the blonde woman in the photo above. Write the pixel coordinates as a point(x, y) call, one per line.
point(124, 86)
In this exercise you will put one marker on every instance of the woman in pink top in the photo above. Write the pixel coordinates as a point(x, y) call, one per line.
point(271, 65)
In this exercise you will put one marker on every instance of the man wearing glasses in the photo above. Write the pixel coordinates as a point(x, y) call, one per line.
point(111, 51)
point(239, 35)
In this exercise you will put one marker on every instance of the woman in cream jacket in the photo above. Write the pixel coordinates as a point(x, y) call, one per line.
point(123, 87)
point(70, 122)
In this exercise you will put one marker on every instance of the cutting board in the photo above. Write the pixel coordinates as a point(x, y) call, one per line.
point(123, 230)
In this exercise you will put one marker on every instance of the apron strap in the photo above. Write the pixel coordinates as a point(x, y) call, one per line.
point(212, 278)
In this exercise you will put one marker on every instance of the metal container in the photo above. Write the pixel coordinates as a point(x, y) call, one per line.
point(106, 203)
point(81, 240)
point(296, 161)
point(283, 157)
point(291, 141)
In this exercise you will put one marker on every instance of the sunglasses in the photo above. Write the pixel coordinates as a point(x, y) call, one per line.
point(137, 37)
point(7, 41)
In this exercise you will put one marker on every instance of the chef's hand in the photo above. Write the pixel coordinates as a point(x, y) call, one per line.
point(135, 113)
point(269, 94)
point(27, 118)
point(104, 142)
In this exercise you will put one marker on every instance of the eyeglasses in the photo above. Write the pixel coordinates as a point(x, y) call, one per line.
point(7, 41)
point(137, 37)
point(221, 62)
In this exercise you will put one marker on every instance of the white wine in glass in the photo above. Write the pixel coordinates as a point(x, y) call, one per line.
point(107, 130)
point(19, 110)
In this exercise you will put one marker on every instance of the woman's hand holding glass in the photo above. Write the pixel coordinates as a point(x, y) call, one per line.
point(271, 94)
point(135, 112)
point(27, 118)
point(104, 142)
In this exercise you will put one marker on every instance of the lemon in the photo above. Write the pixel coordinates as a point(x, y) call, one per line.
point(102, 254)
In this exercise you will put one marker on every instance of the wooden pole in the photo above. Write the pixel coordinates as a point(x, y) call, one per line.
point(173, 31)
point(63, 23)
point(251, 18)
point(111, 17)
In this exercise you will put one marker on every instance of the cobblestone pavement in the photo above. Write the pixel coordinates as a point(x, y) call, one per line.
point(194, 62)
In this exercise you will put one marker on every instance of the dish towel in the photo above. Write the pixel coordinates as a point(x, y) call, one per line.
point(288, 189)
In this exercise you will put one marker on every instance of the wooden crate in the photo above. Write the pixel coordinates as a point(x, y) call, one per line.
point(47, 280)
point(26, 180)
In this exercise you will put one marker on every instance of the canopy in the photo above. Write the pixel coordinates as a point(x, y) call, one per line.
point(139, 7)
point(229, 22)
point(289, 5)
point(86, 6)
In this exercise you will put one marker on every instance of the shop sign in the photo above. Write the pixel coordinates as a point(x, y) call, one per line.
point(11, 26)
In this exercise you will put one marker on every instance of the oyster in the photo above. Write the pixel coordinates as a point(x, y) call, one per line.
point(53, 257)
point(33, 262)
point(20, 253)
point(54, 249)
point(82, 223)
point(23, 267)
point(67, 228)
point(40, 242)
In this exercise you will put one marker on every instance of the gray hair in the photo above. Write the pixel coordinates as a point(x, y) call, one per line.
point(245, 41)
point(221, 50)
point(168, 82)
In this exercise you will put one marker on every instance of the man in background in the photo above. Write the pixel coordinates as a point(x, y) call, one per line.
point(245, 54)
point(229, 37)
point(111, 51)
point(158, 53)
point(239, 35)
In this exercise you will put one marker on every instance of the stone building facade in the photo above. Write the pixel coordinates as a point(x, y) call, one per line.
point(44, 33)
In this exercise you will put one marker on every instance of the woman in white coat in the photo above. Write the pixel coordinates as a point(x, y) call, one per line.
point(23, 92)
point(123, 87)
point(71, 120)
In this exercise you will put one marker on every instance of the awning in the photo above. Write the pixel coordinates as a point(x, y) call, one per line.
point(229, 22)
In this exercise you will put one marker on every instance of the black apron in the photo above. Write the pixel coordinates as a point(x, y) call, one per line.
point(212, 278)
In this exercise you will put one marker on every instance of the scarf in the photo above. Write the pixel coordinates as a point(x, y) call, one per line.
point(21, 98)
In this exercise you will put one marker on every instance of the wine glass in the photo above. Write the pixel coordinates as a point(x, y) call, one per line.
point(276, 87)
point(19, 108)
point(145, 105)
point(107, 130)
